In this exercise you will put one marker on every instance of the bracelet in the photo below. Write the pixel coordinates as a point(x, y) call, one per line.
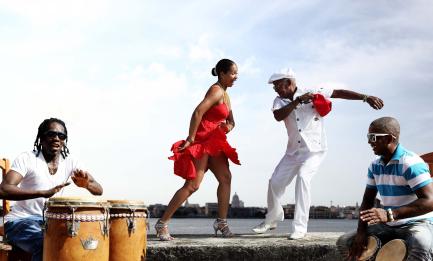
point(189, 139)
point(389, 215)
point(364, 99)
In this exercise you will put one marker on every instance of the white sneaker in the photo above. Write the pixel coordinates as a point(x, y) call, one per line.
point(296, 235)
point(263, 227)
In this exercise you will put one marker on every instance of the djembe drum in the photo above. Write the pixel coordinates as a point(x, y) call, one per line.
point(128, 220)
point(76, 229)
point(373, 246)
point(394, 250)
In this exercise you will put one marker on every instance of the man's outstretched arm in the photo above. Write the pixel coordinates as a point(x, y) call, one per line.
point(374, 102)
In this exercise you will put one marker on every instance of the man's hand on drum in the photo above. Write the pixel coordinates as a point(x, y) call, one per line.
point(359, 244)
point(374, 216)
point(81, 178)
point(49, 193)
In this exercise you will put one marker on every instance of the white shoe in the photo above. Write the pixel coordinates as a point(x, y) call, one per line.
point(296, 235)
point(263, 227)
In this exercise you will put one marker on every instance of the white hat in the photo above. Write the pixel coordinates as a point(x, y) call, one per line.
point(289, 74)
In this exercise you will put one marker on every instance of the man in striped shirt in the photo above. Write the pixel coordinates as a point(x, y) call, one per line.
point(404, 184)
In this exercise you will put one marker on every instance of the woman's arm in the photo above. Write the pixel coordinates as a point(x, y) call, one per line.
point(212, 97)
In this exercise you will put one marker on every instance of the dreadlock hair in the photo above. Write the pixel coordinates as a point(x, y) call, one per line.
point(44, 127)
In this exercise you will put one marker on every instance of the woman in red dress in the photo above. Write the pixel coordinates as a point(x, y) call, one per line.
point(206, 147)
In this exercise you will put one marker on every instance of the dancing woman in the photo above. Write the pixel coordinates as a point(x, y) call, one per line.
point(206, 147)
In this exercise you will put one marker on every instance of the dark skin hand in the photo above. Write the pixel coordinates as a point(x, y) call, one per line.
point(287, 91)
point(9, 188)
point(374, 102)
point(359, 243)
point(83, 179)
point(371, 216)
point(282, 113)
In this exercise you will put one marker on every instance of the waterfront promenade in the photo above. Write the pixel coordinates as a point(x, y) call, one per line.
point(317, 246)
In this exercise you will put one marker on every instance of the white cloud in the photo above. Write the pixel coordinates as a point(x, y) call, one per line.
point(201, 50)
point(126, 79)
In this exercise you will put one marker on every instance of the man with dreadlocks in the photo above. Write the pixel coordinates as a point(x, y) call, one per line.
point(35, 176)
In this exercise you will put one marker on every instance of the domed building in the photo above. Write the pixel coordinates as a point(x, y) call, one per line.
point(236, 202)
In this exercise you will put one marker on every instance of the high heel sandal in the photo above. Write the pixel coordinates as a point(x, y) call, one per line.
point(222, 226)
point(162, 231)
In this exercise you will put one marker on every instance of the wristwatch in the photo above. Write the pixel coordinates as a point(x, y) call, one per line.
point(389, 215)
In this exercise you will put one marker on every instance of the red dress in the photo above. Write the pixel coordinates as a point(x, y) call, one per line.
point(210, 139)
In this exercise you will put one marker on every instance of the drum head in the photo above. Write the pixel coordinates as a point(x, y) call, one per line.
point(74, 201)
point(126, 204)
point(372, 246)
point(394, 250)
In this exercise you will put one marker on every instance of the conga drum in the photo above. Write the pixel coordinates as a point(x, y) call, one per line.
point(127, 230)
point(76, 229)
point(394, 250)
point(372, 246)
point(428, 158)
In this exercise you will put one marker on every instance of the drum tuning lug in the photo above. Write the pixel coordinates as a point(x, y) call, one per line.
point(105, 228)
point(44, 225)
point(131, 225)
point(73, 227)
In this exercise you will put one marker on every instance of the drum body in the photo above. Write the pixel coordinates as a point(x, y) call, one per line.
point(76, 229)
point(128, 220)
point(394, 250)
point(373, 246)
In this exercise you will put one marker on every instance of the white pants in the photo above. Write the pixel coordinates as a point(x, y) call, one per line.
point(304, 166)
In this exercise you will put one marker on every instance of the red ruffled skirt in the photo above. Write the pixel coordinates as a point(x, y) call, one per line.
point(214, 144)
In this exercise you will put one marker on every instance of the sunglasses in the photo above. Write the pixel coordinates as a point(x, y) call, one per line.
point(372, 137)
point(52, 134)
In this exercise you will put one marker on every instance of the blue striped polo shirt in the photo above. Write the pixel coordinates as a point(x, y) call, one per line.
point(398, 180)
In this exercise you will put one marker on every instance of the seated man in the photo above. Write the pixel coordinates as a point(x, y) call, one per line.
point(35, 176)
point(403, 181)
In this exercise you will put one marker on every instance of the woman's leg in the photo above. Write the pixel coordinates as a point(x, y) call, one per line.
point(187, 189)
point(219, 165)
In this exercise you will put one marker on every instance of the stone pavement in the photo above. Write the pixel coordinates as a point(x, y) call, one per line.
point(315, 246)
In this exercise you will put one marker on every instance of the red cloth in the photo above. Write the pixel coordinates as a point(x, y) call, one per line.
point(323, 106)
point(210, 139)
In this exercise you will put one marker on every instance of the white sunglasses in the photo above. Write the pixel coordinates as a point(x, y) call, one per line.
point(372, 137)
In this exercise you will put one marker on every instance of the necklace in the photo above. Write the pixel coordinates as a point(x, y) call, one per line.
point(52, 169)
point(225, 98)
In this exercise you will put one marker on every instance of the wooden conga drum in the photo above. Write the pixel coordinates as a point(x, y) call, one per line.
point(394, 250)
point(373, 246)
point(76, 229)
point(127, 230)
point(428, 158)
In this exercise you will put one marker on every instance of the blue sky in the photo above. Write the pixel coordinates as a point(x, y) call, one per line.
point(125, 76)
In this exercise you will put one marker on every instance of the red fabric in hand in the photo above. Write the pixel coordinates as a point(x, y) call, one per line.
point(323, 106)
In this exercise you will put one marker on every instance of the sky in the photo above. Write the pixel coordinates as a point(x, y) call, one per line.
point(125, 76)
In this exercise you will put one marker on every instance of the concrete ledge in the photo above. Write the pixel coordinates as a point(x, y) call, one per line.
point(315, 246)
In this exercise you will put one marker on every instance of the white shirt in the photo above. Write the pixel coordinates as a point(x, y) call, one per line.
point(305, 127)
point(37, 177)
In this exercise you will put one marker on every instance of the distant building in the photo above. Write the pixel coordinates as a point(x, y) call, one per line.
point(211, 209)
point(188, 205)
point(156, 210)
point(289, 211)
point(236, 202)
